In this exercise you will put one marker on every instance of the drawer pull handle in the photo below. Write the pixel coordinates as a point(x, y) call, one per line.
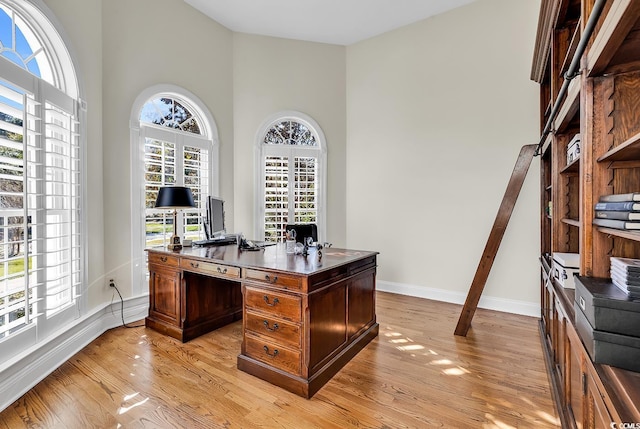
point(163, 258)
point(275, 351)
point(271, 280)
point(221, 271)
point(266, 299)
point(266, 325)
point(194, 264)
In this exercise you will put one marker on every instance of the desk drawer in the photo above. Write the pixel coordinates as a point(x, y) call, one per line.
point(273, 354)
point(163, 259)
point(273, 303)
point(210, 268)
point(279, 330)
point(274, 279)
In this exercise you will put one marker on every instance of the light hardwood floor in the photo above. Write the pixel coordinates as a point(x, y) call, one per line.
point(415, 374)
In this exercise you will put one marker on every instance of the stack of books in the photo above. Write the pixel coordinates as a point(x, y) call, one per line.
point(625, 274)
point(618, 211)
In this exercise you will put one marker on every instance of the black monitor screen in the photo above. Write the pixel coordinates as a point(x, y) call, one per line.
point(216, 216)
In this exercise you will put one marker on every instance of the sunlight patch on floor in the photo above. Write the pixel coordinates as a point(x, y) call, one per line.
point(548, 418)
point(124, 409)
point(458, 370)
point(411, 347)
point(406, 344)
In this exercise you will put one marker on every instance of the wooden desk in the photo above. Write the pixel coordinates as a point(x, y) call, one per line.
point(301, 321)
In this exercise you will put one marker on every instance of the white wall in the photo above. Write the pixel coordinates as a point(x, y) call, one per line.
point(437, 113)
point(271, 75)
point(423, 126)
point(145, 43)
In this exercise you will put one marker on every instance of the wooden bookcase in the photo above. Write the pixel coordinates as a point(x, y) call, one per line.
point(603, 105)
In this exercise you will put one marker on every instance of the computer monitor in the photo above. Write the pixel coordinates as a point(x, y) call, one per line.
point(215, 217)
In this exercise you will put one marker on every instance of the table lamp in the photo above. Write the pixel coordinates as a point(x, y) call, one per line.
point(175, 197)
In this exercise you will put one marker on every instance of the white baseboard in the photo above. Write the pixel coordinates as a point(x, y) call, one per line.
point(490, 303)
point(20, 375)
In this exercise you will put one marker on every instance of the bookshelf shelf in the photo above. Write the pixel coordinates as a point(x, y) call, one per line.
point(628, 150)
point(572, 168)
point(572, 222)
point(612, 48)
point(601, 104)
point(629, 235)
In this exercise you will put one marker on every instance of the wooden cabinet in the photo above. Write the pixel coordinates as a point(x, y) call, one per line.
point(189, 297)
point(586, 398)
point(601, 105)
point(165, 290)
point(298, 331)
point(574, 381)
point(272, 331)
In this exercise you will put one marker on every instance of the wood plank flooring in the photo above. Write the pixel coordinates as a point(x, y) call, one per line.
point(416, 374)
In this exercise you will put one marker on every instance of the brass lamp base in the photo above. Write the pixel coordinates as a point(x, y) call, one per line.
point(174, 242)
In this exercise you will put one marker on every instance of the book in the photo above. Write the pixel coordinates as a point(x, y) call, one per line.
point(632, 196)
point(616, 224)
point(615, 276)
point(629, 278)
point(618, 206)
point(628, 264)
point(623, 273)
point(633, 292)
point(621, 215)
point(619, 285)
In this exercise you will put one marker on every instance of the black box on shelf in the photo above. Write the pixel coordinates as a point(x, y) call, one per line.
point(608, 322)
point(621, 351)
point(606, 307)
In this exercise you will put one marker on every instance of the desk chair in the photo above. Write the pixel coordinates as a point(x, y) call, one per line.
point(303, 230)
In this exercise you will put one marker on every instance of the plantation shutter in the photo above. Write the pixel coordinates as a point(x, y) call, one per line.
point(60, 217)
point(196, 172)
point(290, 193)
point(305, 186)
point(17, 293)
point(40, 208)
point(184, 161)
point(276, 197)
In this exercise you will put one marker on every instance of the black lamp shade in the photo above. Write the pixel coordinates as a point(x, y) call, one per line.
point(175, 197)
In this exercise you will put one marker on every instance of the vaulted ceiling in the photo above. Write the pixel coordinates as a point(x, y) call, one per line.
point(340, 22)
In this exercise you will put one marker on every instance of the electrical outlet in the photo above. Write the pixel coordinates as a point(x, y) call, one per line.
point(111, 283)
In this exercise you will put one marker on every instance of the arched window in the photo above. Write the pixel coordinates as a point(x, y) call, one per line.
point(292, 159)
point(175, 143)
point(41, 180)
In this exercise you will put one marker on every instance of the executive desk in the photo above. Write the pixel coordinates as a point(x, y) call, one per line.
point(302, 320)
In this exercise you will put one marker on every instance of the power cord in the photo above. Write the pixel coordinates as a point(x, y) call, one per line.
point(112, 284)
